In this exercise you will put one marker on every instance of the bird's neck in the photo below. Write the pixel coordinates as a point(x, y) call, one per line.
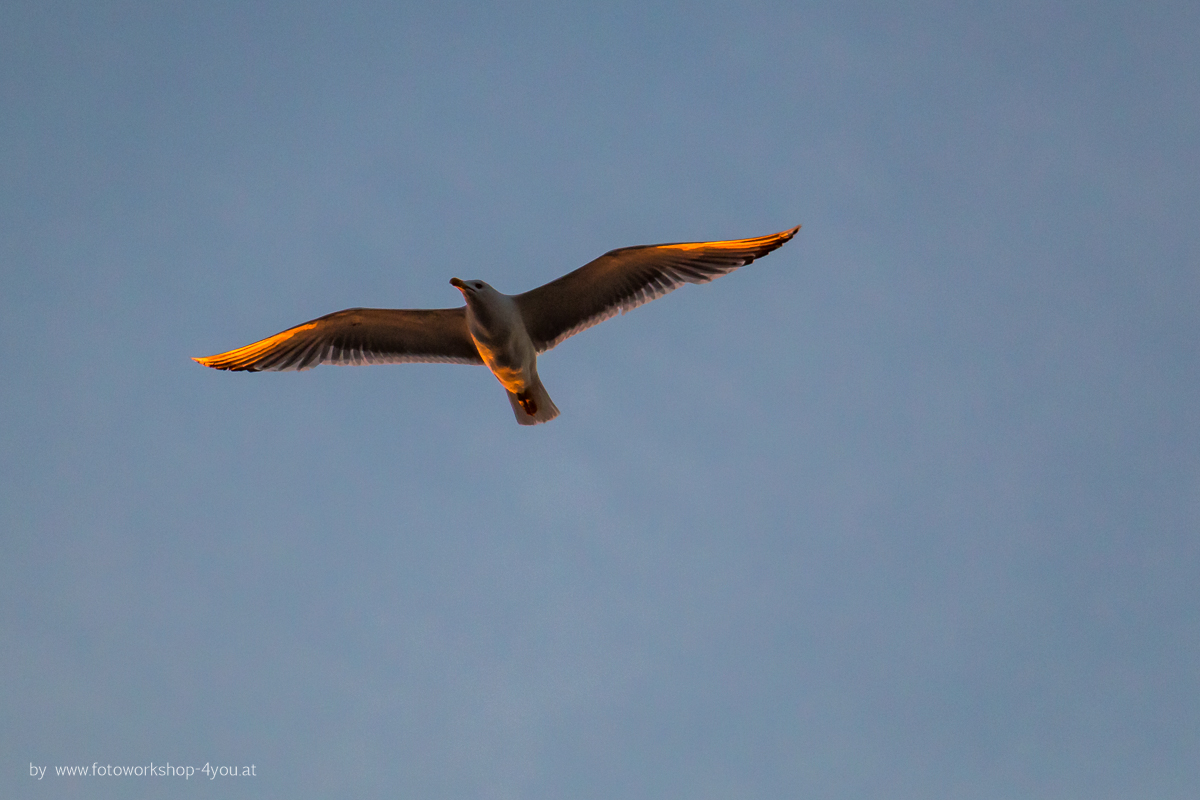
point(491, 319)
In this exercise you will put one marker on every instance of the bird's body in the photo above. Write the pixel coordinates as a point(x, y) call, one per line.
point(496, 326)
point(503, 332)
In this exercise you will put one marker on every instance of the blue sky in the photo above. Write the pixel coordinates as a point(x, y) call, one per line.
point(907, 509)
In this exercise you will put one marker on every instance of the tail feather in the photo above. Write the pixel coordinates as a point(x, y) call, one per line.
point(537, 400)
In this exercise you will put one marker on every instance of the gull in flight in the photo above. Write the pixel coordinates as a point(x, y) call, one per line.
point(504, 332)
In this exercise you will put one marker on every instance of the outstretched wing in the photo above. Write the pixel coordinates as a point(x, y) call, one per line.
point(359, 336)
point(624, 279)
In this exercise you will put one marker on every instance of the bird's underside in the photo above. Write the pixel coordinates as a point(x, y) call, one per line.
point(503, 332)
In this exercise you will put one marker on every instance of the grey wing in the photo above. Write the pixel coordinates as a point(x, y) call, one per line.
point(359, 336)
point(624, 279)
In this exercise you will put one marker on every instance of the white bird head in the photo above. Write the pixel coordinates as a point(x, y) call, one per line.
point(476, 292)
point(469, 288)
point(485, 305)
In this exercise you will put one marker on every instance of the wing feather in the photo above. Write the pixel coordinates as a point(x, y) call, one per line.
point(624, 279)
point(359, 336)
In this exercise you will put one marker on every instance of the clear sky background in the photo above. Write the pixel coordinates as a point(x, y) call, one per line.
point(907, 509)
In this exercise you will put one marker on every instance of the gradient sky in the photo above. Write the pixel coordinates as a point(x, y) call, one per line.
point(907, 509)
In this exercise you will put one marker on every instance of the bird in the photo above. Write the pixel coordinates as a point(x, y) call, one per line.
point(506, 333)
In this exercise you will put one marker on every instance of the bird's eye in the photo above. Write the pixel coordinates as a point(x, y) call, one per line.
point(478, 285)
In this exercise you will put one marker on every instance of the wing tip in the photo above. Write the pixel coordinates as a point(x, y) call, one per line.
point(779, 239)
point(222, 361)
point(783, 236)
point(766, 244)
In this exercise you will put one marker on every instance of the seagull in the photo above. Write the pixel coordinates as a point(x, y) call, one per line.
point(504, 332)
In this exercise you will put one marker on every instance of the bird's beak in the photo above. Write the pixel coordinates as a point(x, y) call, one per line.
point(457, 284)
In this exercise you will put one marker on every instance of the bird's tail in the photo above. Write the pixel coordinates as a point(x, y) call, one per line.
point(533, 406)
